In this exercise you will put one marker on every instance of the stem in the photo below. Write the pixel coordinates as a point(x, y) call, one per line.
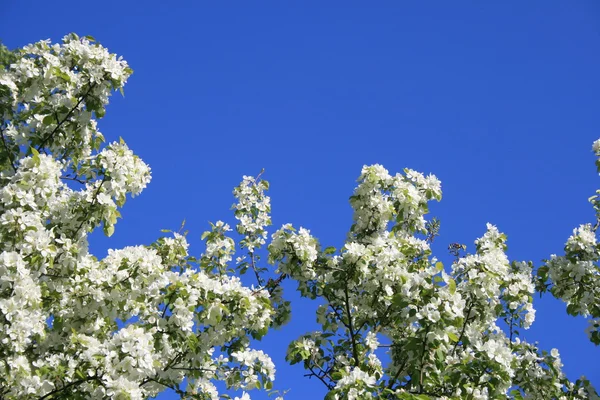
point(350, 326)
point(253, 265)
point(65, 118)
point(423, 358)
point(464, 327)
point(340, 316)
point(47, 395)
point(397, 374)
point(104, 179)
point(512, 318)
point(321, 378)
point(193, 369)
point(180, 392)
point(167, 304)
point(8, 152)
point(75, 178)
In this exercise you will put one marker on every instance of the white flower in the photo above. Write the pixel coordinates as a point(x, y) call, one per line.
point(596, 147)
point(371, 341)
point(355, 375)
point(245, 396)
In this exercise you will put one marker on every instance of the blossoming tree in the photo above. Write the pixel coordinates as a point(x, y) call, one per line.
point(148, 318)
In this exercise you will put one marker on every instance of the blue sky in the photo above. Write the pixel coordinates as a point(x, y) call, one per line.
point(498, 99)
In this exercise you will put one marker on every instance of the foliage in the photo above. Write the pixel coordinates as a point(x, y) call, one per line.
point(147, 318)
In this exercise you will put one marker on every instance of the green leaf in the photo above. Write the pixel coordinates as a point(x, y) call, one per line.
point(35, 155)
point(399, 300)
point(439, 266)
point(61, 74)
point(439, 355)
point(452, 286)
point(542, 272)
point(48, 120)
point(336, 376)
point(329, 250)
point(452, 336)
point(331, 395)
point(109, 230)
point(192, 342)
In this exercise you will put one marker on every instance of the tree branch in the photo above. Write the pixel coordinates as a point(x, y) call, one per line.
point(350, 327)
point(74, 383)
point(59, 124)
point(8, 152)
point(321, 378)
point(464, 327)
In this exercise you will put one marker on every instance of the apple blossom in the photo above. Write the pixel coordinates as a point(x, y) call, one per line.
point(395, 322)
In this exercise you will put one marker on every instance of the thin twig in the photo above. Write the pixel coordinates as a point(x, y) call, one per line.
point(8, 152)
point(350, 327)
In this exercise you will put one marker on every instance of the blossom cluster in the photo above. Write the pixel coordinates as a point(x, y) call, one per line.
point(575, 276)
point(143, 318)
point(448, 332)
point(395, 322)
point(252, 211)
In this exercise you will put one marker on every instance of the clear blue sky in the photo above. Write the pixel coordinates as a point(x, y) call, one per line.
point(499, 99)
